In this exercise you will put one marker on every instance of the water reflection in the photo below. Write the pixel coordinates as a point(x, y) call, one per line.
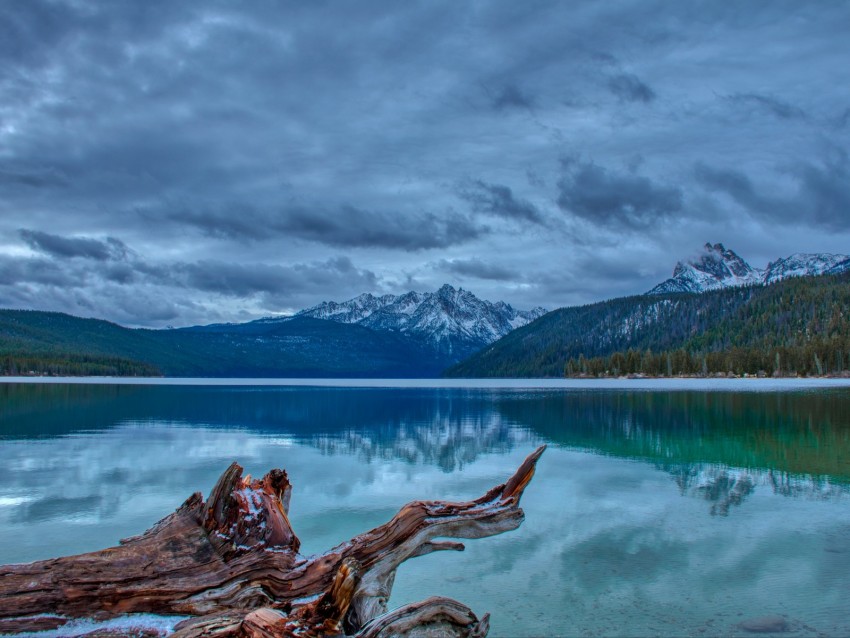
point(448, 428)
point(722, 487)
point(449, 444)
point(716, 446)
point(652, 513)
point(791, 432)
point(804, 433)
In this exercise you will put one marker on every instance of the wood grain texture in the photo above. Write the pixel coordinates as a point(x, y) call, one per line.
point(232, 564)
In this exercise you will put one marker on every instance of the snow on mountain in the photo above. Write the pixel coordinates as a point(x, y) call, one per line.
point(454, 320)
point(803, 265)
point(718, 267)
point(351, 311)
point(841, 266)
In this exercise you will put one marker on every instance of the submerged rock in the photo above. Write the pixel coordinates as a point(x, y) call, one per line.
point(765, 625)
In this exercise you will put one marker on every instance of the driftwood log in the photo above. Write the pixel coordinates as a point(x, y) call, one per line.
point(231, 564)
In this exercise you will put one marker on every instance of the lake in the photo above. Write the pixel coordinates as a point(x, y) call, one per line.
point(663, 509)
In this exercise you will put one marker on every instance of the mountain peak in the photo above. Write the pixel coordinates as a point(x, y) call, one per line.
point(805, 264)
point(719, 267)
point(453, 319)
point(714, 267)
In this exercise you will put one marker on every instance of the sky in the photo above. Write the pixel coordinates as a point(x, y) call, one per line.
point(176, 163)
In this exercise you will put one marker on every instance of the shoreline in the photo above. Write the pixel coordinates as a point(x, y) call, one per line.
point(754, 384)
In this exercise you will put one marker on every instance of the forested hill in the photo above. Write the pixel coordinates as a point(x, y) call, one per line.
point(53, 343)
point(803, 320)
point(56, 343)
point(795, 326)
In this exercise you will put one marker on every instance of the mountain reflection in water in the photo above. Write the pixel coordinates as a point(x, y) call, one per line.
point(652, 513)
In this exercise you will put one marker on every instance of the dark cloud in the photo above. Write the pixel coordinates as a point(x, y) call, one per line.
point(476, 268)
point(603, 58)
point(16, 271)
point(84, 247)
point(138, 305)
point(499, 200)
point(344, 226)
point(767, 104)
point(119, 273)
point(821, 198)
point(277, 136)
point(825, 193)
point(629, 88)
point(609, 198)
point(242, 280)
point(32, 178)
point(732, 182)
point(146, 287)
point(511, 97)
point(534, 179)
point(352, 227)
point(237, 221)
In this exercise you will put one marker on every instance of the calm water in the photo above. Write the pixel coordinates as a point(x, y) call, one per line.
point(652, 513)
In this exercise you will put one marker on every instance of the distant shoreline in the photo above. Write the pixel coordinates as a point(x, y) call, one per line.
point(753, 384)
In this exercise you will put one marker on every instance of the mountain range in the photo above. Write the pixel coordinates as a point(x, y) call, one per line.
point(718, 267)
point(410, 335)
point(426, 333)
point(454, 322)
point(796, 325)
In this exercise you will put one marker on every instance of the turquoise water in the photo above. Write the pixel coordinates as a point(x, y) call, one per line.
point(653, 512)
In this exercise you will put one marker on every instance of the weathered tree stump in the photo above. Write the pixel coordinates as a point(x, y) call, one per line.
point(232, 565)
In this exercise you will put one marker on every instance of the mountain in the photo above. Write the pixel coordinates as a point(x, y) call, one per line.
point(454, 322)
point(309, 347)
point(410, 335)
point(704, 310)
point(718, 267)
point(805, 265)
point(802, 320)
point(56, 343)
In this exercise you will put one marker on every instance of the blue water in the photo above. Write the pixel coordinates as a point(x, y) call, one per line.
point(657, 510)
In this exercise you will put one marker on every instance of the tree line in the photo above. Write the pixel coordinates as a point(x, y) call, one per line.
point(803, 321)
point(818, 358)
point(73, 365)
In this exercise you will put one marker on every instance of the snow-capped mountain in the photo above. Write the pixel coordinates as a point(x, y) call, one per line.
point(357, 309)
point(455, 321)
point(804, 265)
point(718, 267)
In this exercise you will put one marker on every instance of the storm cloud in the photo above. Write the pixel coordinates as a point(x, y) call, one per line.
point(88, 284)
point(499, 200)
point(629, 87)
point(175, 163)
point(820, 195)
point(346, 226)
point(767, 104)
point(84, 247)
point(612, 198)
point(355, 227)
point(510, 96)
point(32, 178)
point(241, 280)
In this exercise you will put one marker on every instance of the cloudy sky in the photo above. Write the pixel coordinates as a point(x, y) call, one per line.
point(172, 163)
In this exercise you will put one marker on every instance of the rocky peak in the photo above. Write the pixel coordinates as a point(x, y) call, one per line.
point(804, 264)
point(718, 267)
point(453, 318)
point(715, 267)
